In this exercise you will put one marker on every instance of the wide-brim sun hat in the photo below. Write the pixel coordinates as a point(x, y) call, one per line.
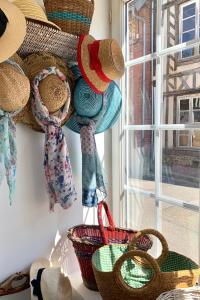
point(88, 104)
point(100, 61)
point(52, 89)
point(11, 19)
point(14, 86)
point(42, 38)
point(33, 11)
point(51, 282)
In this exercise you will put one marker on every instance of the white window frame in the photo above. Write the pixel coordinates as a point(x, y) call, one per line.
point(120, 133)
point(197, 28)
point(191, 118)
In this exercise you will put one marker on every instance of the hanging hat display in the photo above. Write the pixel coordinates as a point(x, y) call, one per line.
point(57, 164)
point(100, 62)
point(93, 113)
point(74, 17)
point(52, 88)
point(33, 11)
point(48, 283)
point(14, 94)
point(11, 18)
point(42, 38)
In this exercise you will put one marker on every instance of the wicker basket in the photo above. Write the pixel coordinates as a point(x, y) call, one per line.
point(71, 16)
point(88, 238)
point(181, 294)
point(122, 273)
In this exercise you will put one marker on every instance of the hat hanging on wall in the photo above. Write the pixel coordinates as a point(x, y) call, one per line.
point(88, 104)
point(100, 62)
point(14, 94)
point(52, 88)
point(48, 283)
point(93, 113)
point(11, 18)
point(74, 17)
point(33, 11)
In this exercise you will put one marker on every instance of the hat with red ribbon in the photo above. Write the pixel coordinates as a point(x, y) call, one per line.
point(100, 62)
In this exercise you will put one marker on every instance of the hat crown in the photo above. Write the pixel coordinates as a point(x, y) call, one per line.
point(86, 102)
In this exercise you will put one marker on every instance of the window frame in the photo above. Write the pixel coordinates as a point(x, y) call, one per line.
point(197, 28)
point(120, 132)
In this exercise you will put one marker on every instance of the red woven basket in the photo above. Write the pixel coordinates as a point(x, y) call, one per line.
point(87, 239)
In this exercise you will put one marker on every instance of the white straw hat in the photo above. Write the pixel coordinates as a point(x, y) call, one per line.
point(48, 283)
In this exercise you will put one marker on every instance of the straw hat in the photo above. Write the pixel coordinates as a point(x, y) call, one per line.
point(10, 19)
point(33, 11)
point(88, 104)
point(14, 87)
point(42, 38)
point(52, 89)
point(100, 62)
point(49, 283)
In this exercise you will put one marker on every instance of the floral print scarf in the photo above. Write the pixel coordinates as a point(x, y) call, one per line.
point(8, 148)
point(57, 164)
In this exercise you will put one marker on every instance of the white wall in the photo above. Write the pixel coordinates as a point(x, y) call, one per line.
point(27, 229)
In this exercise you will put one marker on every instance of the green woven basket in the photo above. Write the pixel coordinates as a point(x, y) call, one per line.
point(124, 273)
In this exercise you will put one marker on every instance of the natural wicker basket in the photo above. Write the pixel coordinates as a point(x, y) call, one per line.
point(122, 273)
point(71, 16)
point(181, 294)
point(88, 238)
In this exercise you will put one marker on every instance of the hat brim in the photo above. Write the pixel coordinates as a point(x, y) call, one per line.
point(83, 57)
point(40, 263)
point(42, 38)
point(15, 30)
point(111, 115)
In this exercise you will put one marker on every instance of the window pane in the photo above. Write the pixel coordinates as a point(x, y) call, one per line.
point(180, 86)
point(187, 53)
point(189, 24)
point(188, 36)
point(196, 138)
point(196, 103)
point(189, 10)
point(141, 211)
point(140, 94)
point(139, 28)
point(141, 160)
point(184, 104)
point(181, 166)
point(196, 116)
point(181, 229)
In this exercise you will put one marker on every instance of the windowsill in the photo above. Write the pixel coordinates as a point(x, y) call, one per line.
point(188, 60)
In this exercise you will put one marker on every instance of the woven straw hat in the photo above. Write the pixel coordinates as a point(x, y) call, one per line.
point(41, 38)
point(33, 11)
point(10, 19)
point(52, 89)
point(52, 284)
point(88, 104)
point(14, 87)
point(100, 62)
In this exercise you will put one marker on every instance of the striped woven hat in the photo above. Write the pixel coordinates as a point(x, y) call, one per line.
point(34, 11)
point(88, 104)
point(100, 62)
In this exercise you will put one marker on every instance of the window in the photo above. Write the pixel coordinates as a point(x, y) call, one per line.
point(158, 181)
point(190, 25)
point(188, 111)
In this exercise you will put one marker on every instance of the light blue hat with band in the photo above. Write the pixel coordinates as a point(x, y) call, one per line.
point(89, 105)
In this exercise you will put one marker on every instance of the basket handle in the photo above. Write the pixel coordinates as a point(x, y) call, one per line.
point(11, 285)
point(100, 220)
point(152, 263)
point(156, 233)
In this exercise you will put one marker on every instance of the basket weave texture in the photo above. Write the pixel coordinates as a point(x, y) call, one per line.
point(71, 16)
point(181, 294)
point(122, 273)
point(87, 239)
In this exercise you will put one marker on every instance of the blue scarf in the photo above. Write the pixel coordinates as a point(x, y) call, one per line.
point(8, 149)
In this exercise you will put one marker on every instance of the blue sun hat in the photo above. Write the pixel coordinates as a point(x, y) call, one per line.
point(89, 105)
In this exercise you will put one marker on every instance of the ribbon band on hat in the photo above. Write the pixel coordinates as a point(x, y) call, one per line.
point(95, 63)
point(57, 164)
point(36, 284)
